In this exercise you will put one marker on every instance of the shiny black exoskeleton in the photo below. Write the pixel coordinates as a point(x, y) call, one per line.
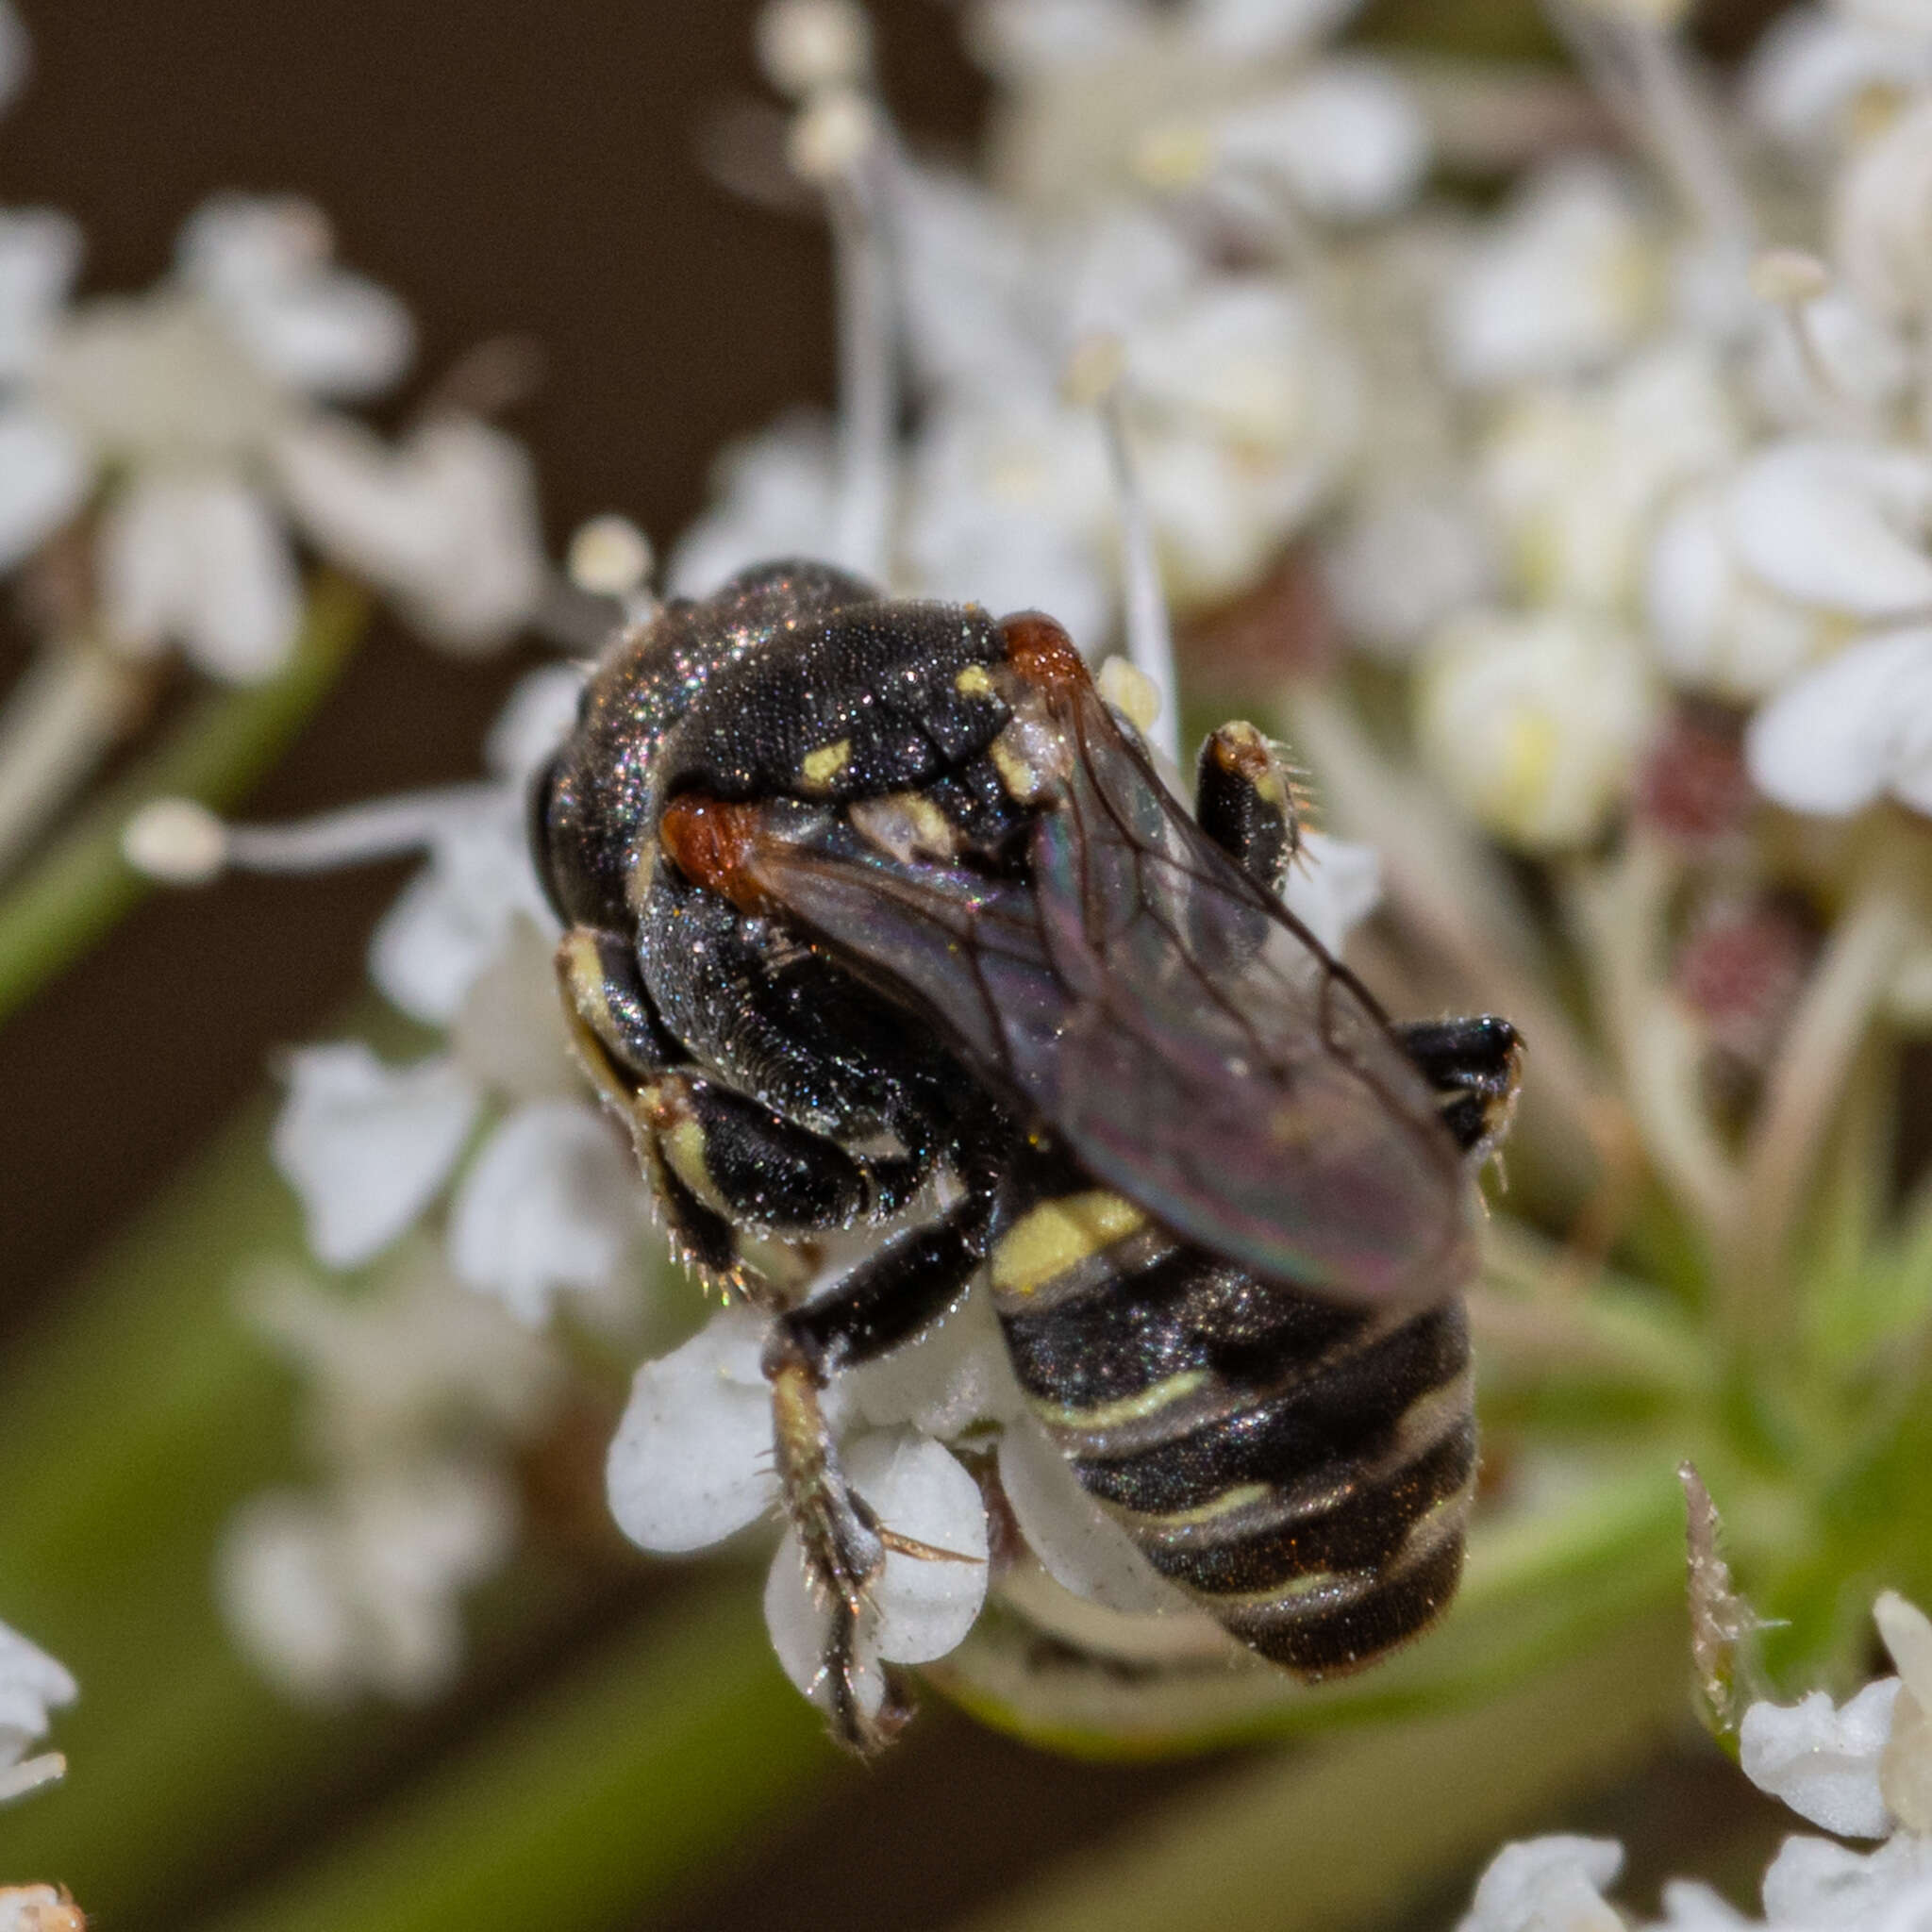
point(858, 892)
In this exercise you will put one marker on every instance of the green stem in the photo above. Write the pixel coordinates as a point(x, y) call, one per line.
point(81, 886)
point(1351, 1831)
point(597, 1804)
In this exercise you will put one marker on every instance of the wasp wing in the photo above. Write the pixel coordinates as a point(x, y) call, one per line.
point(1185, 1035)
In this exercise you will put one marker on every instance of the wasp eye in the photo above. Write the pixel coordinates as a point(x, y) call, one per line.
point(538, 805)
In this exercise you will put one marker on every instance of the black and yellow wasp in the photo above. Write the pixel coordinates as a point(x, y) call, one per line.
point(858, 892)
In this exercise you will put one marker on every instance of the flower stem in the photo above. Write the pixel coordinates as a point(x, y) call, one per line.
point(81, 886)
point(868, 366)
point(74, 703)
point(1801, 1099)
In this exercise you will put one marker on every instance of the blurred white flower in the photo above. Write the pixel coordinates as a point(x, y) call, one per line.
point(1853, 730)
point(1822, 76)
point(1404, 559)
point(1575, 477)
point(1333, 885)
point(1217, 98)
point(366, 1147)
point(1881, 216)
point(1534, 723)
point(356, 1589)
point(1571, 276)
point(184, 406)
point(31, 1685)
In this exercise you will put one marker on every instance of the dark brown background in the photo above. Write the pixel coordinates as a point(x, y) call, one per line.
point(514, 168)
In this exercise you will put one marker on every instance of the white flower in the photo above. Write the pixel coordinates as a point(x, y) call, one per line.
point(1575, 477)
point(1820, 71)
point(551, 1204)
point(1820, 1761)
point(446, 523)
point(1407, 559)
point(184, 406)
point(391, 1365)
point(453, 919)
point(1716, 626)
point(1548, 1885)
point(31, 1685)
point(1534, 723)
point(1880, 217)
point(1853, 729)
point(1333, 885)
point(366, 1147)
point(357, 1590)
point(920, 1608)
point(1099, 95)
point(1567, 279)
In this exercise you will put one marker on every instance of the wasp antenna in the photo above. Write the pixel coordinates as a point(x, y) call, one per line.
point(1096, 375)
point(179, 842)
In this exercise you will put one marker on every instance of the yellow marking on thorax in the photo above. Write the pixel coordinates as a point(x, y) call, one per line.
point(822, 766)
point(1059, 1235)
point(975, 681)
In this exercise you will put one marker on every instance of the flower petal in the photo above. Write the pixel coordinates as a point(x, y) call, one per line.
point(446, 524)
point(1834, 740)
point(692, 1461)
point(1816, 1886)
point(199, 561)
point(31, 1684)
point(39, 252)
point(536, 717)
point(1820, 1761)
point(45, 474)
point(953, 1375)
point(771, 496)
point(263, 262)
point(1548, 1885)
point(920, 1607)
point(1347, 139)
point(1827, 523)
point(1081, 1547)
point(1333, 886)
point(366, 1145)
point(551, 1205)
point(450, 922)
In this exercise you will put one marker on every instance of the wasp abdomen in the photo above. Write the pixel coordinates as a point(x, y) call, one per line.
point(1304, 1469)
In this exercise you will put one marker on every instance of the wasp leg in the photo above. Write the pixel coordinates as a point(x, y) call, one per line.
point(884, 1302)
point(1475, 1065)
point(717, 1163)
point(1244, 800)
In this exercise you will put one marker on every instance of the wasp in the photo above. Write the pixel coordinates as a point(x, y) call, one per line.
point(860, 892)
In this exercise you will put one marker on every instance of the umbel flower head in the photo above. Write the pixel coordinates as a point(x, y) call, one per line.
point(195, 419)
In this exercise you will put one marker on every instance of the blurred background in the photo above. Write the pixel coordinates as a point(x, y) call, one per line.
point(536, 172)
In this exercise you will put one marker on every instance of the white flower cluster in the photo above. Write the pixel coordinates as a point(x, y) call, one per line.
point(1860, 1771)
point(31, 1685)
point(192, 419)
point(475, 1186)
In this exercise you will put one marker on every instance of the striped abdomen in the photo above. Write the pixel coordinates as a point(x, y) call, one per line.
point(1304, 1469)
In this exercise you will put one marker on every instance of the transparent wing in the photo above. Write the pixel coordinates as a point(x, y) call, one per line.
point(1190, 1041)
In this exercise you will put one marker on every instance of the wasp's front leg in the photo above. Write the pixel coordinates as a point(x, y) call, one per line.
point(884, 1302)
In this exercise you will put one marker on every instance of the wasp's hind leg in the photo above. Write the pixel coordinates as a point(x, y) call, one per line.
point(885, 1300)
point(1475, 1065)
